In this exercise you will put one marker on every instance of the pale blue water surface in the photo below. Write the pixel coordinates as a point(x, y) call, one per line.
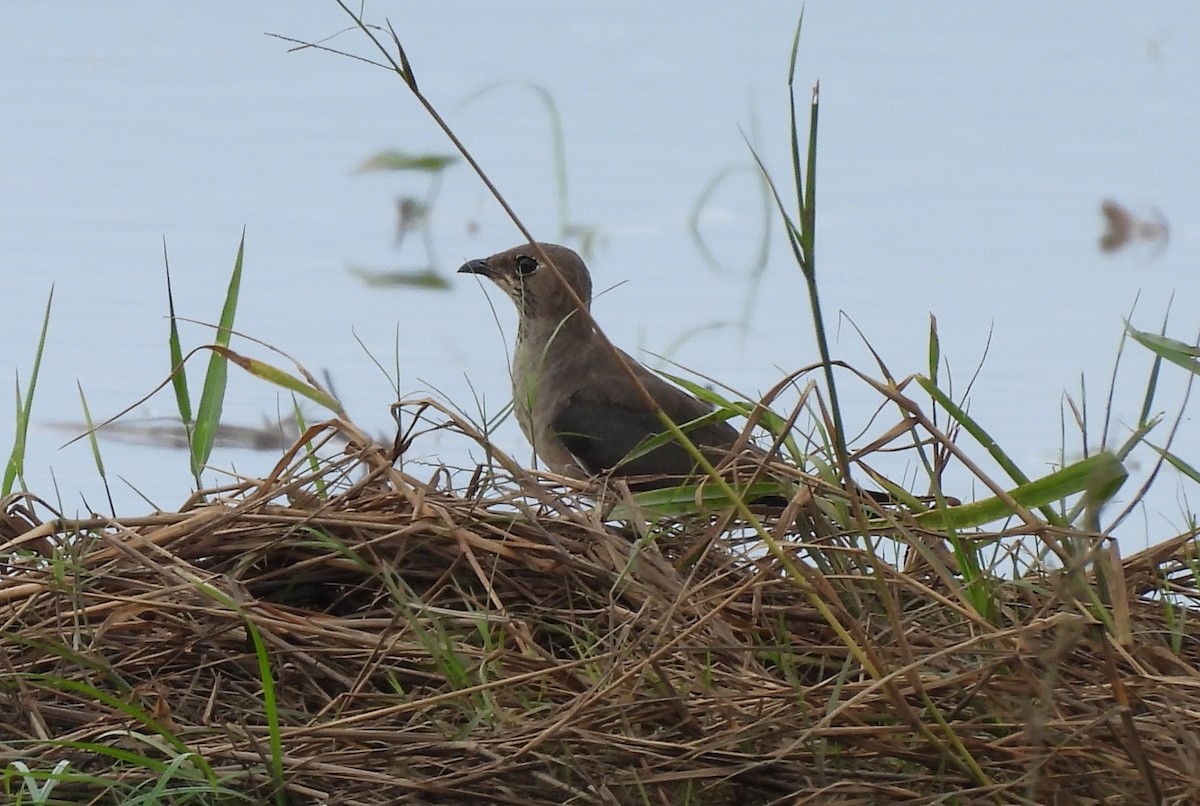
point(964, 152)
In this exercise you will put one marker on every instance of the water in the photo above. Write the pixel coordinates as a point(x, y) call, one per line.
point(964, 152)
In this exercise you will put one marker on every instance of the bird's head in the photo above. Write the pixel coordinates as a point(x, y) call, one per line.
point(523, 274)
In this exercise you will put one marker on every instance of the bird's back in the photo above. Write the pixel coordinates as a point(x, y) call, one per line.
point(602, 422)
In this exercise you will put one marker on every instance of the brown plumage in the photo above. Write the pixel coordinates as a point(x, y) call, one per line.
point(575, 403)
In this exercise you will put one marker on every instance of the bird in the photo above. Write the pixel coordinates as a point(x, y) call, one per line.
point(575, 403)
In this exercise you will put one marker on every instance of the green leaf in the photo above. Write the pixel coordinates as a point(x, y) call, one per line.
point(279, 377)
point(422, 278)
point(212, 398)
point(1099, 476)
point(1177, 352)
point(16, 459)
point(674, 502)
point(178, 373)
point(1178, 463)
point(935, 349)
point(394, 159)
point(985, 439)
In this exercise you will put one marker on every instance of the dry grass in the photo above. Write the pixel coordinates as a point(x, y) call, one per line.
point(349, 634)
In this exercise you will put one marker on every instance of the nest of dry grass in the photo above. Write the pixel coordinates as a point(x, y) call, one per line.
point(344, 633)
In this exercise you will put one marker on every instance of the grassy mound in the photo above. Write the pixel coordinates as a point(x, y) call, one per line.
point(344, 633)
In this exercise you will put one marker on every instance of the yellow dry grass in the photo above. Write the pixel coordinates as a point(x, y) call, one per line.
point(345, 633)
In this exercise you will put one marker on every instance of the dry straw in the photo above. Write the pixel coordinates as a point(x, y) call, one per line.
point(345, 633)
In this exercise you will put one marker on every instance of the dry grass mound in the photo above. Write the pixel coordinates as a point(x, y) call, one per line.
point(344, 633)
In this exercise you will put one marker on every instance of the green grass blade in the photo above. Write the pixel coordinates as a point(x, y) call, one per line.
point(985, 439)
point(394, 159)
point(674, 502)
point(808, 219)
point(16, 460)
point(115, 703)
point(1137, 437)
point(178, 373)
point(212, 398)
point(1100, 476)
point(1177, 352)
point(267, 678)
point(1177, 462)
point(935, 349)
point(726, 408)
point(270, 710)
point(281, 378)
point(795, 142)
point(310, 453)
point(95, 445)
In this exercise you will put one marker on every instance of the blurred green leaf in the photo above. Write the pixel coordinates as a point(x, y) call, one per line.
point(423, 278)
point(674, 502)
point(394, 159)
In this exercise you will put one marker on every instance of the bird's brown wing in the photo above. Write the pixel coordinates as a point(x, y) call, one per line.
point(601, 423)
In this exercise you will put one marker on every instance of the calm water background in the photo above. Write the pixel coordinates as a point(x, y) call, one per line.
point(964, 151)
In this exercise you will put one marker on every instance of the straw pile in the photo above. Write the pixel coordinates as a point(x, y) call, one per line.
point(344, 633)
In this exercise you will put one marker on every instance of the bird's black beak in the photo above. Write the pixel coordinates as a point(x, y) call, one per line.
point(477, 267)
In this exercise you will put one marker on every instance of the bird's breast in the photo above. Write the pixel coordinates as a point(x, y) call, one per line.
point(543, 380)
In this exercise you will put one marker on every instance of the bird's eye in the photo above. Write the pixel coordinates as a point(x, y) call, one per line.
point(526, 265)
